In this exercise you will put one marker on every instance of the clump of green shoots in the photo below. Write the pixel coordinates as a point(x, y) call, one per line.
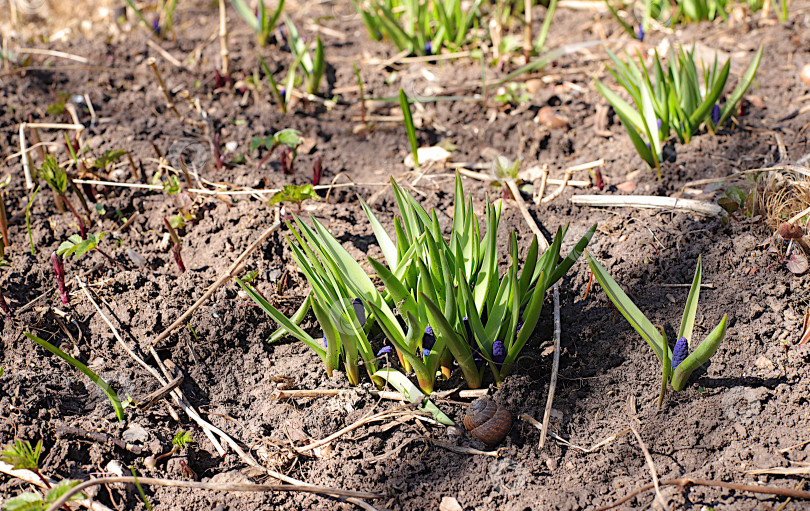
point(181, 438)
point(422, 28)
point(451, 300)
point(261, 21)
point(312, 66)
point(676, 365)
point(21, 456)
point(163, 22)
point(674, 99)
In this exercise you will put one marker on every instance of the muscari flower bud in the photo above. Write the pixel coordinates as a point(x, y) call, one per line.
point(715, 114)
point(640, 33)
point(680, 352)
point(359, 312)
point(429, 48)
point(428, 340)
point(498, 353)
point(385, 350)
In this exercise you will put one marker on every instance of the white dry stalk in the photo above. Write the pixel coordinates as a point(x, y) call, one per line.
point(651, 465)
point(649, 202)
point(223, 40)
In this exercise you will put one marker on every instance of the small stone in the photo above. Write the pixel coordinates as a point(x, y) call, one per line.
point(764, 363)
point(627, 186)
point(805, 74)
point(450, 504)
point(551, 464)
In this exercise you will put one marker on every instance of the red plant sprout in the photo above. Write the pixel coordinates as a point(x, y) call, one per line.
point(317, 171)
point(59, 271)
point(287, 161)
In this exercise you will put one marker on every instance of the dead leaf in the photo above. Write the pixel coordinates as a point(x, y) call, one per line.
point(764, 363)
point(797, 263)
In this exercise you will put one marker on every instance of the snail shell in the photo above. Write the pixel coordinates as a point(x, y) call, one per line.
point(487, 421)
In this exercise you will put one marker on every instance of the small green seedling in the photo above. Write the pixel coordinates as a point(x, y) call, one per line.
point(295, 194)
point(21, 456)
point(287, 137)
point(676, 365)
point(108, 158)
point(672, 99)
point(78, 247)
point(405, 105)
point(180, 440)
point(512, 94)
point(261, 21)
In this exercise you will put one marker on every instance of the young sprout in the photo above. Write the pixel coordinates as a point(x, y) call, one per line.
point(677, 365)
point(262, 22)
point(21, 456)
point(286, 158)
point(57, 179)
point(181, 438)
point(59, 272)
point(178, 259)
point(288, 137)
point(312, 66)
point(296, 194)
point(317, 170)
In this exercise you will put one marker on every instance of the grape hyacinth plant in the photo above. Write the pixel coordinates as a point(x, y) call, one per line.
point(672, 98)
point(678, 364)
point(432, 285)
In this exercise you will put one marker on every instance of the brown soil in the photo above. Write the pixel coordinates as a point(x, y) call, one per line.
point(742, 410)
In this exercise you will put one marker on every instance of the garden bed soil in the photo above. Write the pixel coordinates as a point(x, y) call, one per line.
point(738, 413)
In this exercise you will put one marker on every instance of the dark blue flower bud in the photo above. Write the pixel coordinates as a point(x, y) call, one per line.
point(680, 352)
point(385, 350)
point(156, 26)
point(429, 48)
point(325, 343)
point(428, 340)
point(498, 353)
point(359, 311)
point(716, 114)
point(467, 329)
point(659, 122)
point(640, 33)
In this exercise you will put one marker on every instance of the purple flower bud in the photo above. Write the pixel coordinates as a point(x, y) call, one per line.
point(658, 121)
point(385, 350)
point(325, 342)
point(359, 311)
point(429, 48)
point(498, 353)
point(680, 352)
point(468, 330)
point(640, 33)
point(715, 114)
point(428, 340)
point(156, 26)
point(59, 271)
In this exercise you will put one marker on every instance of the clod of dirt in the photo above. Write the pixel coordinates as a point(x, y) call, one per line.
point(547, 117)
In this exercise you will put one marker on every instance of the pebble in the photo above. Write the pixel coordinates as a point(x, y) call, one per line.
point(805, 74)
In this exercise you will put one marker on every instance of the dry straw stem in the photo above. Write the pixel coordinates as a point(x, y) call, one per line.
point(181, 401)
point(246, 487)
point(651, 465)
point(166, 55)
point(32, 478)
point(152, 63)
point(486, 177)
point(688, 481)
point(29, 181)
point(569, 172)
point(649, 202)
point(225, 65)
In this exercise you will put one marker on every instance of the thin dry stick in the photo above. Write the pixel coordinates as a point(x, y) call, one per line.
point(387, 414)
point(544, 180)
point(653, 202)
point(53, 53)
point(176, 394)
point(30, 477)
point(169, 103)
point(686, 481)
point(207, 428)
point(527, 29)
point(209, 486)
point(555, 368)
point(543, 242)
point(166, 55)
point(228, 275)
point(651, 465)
point(225, 66)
